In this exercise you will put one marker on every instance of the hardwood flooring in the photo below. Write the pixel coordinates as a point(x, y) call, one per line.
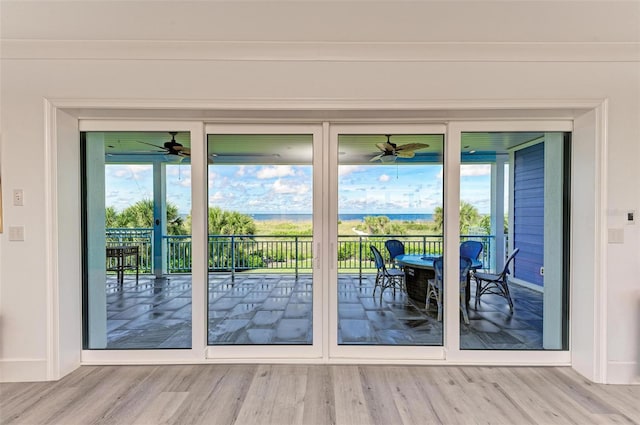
point(319, 394)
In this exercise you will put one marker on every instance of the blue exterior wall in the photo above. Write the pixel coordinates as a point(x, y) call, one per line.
point(528, 213)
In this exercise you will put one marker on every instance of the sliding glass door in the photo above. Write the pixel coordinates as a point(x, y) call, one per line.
point(514, 206)
point(387, 236)
point(327, 243)
point(263, 234)
point(137, 221)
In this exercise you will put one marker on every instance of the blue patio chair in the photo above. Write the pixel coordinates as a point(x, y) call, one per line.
point(471, 249)
point(497, 284)
point(386, 278)
point(434, 286)
point(395, 248)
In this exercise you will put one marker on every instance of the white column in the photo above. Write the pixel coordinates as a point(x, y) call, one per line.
point(497, 213)
point(553, 235)
point(96, 241)
point(159, 219)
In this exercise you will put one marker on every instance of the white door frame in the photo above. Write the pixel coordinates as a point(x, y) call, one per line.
point(452, 202)
point(277, 353)
point(368, 353)
point(199, 229)
point(588, 235)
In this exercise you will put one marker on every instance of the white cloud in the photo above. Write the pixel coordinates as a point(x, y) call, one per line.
point(384, 178)
point(473, 170)
point(241, 171)
point(136, 172)
point(275, 171)
point(216, 197)
point(280, 187)
point(345, 170)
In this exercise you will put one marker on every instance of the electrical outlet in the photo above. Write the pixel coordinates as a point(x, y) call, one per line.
point(18, 197)
point(631, 217)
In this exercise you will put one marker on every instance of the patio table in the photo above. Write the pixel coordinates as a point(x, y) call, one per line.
point(121, 253)
point(419, 268)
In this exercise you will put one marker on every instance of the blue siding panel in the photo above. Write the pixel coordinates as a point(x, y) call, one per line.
point(528, 213)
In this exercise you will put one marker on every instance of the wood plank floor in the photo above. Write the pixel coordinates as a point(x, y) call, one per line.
point(319, 394)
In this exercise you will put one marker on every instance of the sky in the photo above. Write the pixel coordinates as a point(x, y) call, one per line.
point(287, 189)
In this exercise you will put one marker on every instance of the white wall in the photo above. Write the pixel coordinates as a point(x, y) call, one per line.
point(259, 52)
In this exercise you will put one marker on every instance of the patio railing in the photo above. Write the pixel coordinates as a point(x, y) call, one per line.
point(293, 253)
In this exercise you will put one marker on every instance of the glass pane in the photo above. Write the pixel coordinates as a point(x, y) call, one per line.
point(390, 196)
point(260, 239)
point(137, 207)
point(513, 202)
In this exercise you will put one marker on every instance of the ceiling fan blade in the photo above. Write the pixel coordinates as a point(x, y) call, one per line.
point(406, 154)
point(151, 144)
point(412, 147)
point(382, 147)
point(184, 150)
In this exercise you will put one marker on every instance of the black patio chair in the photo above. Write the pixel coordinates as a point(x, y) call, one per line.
point(497, 284)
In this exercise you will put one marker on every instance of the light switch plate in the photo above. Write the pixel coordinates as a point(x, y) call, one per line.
point(616, 235)
point(16, 233)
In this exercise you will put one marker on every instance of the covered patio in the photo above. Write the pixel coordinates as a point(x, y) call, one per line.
point(276, 309)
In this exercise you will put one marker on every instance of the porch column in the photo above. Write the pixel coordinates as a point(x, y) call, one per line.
point(159, 219)
point(553, 238)
point(96, 242)
point(497, 213)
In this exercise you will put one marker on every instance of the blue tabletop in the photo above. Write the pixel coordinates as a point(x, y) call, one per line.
point(426, 261)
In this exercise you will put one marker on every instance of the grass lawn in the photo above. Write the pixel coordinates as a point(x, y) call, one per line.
point(345, 228)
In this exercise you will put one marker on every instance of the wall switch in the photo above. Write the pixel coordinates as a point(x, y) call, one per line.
point(18, 197)
point(616, 235)
point(541, 271)
point(16, 233)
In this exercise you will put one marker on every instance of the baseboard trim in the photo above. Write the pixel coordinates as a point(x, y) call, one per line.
point(623, 373)
point(21, 370)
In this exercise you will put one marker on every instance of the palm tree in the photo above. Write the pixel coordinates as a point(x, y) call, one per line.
point(111, 217)
point(469, 217)
point(230, 223)
point(380, 225)
point(140, 214)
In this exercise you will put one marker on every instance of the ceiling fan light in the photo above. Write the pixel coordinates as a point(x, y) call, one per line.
point(388, 158)
point(173, 159)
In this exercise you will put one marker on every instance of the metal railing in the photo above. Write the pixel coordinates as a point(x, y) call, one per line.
point(292, 253)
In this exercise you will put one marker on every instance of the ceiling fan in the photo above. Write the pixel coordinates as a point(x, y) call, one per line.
point(391, 151)
point(171, 147)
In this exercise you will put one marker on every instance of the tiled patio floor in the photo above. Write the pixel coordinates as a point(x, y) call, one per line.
point(276, 309)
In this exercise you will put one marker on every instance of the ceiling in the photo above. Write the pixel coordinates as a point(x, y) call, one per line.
point(141, 147)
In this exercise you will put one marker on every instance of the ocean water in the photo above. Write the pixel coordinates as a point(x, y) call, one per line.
point(342, 217)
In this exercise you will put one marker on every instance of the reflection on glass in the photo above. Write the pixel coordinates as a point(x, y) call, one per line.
point(390, 219)
point(260, 239)
point(137, 208)
point(513, 192)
